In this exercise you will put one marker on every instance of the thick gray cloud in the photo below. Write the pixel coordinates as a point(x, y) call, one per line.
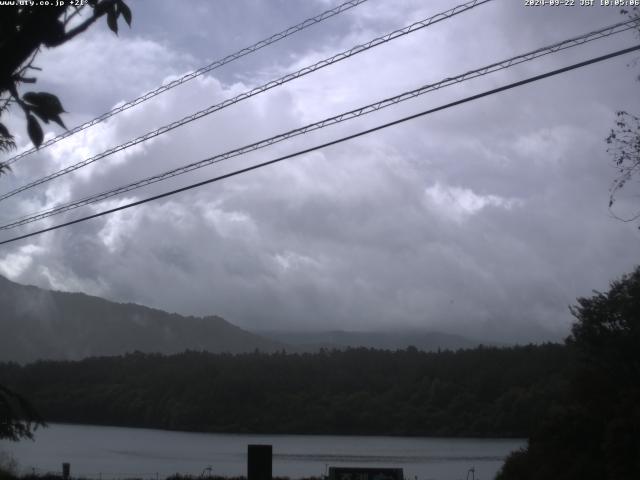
point(487, 219)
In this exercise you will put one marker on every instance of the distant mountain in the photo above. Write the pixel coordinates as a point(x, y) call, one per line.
point(388, 340)
point(43, 324)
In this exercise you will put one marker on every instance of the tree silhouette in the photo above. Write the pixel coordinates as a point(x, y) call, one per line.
point(24, 31)
point(624, 147)
point(18, 419)
point(595, 434)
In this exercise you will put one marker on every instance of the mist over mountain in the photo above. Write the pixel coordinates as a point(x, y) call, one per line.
point(36, 323)
point(42, 324)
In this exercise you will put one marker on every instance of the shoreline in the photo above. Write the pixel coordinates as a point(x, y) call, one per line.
point(289, 434)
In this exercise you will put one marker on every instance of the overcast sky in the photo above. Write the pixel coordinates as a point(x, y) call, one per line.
point(487, 219)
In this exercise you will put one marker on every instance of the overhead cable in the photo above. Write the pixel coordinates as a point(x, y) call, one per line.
point(255, 91)
point(327, 144)
point(572, 42)
point(196, 73)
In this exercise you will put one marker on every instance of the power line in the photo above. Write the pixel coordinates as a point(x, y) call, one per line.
point(191, 75)
point(333, 142)
point(569, 43)
point(255, 91)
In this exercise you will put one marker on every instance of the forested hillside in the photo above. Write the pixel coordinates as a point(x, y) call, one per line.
point(479, 392)
point(43, 324)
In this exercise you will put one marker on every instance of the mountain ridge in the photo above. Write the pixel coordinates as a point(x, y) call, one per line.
point(42, 324)
point(45, 324)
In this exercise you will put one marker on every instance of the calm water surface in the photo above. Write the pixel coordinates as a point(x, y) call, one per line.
point(114, 452)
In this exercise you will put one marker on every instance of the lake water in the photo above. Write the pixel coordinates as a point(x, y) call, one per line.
point(114, 452)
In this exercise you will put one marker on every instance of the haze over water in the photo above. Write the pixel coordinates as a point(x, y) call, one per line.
point(114, 452)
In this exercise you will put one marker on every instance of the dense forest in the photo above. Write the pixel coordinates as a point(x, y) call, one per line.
point(479, 392)
point(594, 433)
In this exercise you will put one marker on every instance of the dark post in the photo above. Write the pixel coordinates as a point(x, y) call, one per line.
point(66, 470)
point(259, 462)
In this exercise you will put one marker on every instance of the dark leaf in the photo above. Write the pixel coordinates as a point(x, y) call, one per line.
point(52, 33)
point(45, 105)
point(5, 132)
point(31, 97)
point(112, 20)
point(5, 146)
point(58, 120)
point(35, 131)
point(48, 102)
point(42, 116)
point(125, 11)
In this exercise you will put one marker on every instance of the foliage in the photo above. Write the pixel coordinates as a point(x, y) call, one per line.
point(18, 419)
point(8, 466)
point(596, 433)
point(624, 146)
point(24, 30)
point(479, 392)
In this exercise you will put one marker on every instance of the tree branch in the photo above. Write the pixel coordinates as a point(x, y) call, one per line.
point(98, 11)
point(76, 12)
